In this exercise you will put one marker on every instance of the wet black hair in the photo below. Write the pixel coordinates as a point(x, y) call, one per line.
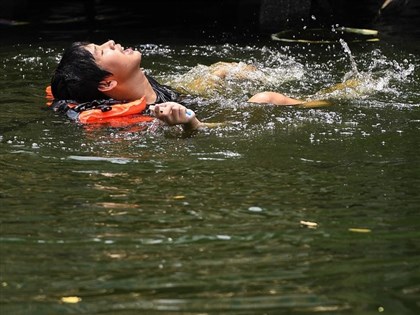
point(77, 76)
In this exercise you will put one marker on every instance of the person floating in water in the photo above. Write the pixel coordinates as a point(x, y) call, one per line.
point(88, 72)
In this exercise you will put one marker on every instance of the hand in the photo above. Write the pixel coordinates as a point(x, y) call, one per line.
point(176, 114)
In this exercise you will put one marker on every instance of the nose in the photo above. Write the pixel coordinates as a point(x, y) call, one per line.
point(110, 44)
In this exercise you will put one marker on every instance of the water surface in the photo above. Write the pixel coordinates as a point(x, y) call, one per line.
point(281, 210)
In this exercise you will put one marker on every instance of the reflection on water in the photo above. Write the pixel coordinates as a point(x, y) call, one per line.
point(117, 221)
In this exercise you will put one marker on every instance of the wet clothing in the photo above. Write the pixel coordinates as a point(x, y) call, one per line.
point(163, 92)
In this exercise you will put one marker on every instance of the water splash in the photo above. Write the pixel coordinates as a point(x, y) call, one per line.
point(354, 71)
point(263, 69)
point(378, 76)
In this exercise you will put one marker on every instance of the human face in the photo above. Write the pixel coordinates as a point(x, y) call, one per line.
point(114, 58)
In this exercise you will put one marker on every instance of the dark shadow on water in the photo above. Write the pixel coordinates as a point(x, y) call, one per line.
point(172, 22)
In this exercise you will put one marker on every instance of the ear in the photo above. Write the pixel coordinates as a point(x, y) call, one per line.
point(107, 85)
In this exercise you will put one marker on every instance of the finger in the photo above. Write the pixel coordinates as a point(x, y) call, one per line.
point(168, 114)
point(157, 110)
point(176, 113)
point(182, 114)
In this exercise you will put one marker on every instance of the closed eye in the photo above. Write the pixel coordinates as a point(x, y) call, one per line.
point(97, 51)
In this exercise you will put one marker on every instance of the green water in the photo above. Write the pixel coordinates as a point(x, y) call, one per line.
point(126, 222)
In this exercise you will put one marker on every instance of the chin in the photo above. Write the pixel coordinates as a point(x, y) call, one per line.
point(137, 55)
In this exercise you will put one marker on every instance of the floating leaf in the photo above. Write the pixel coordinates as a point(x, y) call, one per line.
point(309, 224)
point(360, 230)
point(71, 299)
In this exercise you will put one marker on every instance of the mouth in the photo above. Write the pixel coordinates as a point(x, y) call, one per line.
point(127, 51)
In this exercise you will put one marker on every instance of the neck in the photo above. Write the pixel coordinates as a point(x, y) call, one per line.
point(134, 88)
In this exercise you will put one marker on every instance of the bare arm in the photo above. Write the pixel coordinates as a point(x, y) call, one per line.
point(280, 99)
point(274, 98)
